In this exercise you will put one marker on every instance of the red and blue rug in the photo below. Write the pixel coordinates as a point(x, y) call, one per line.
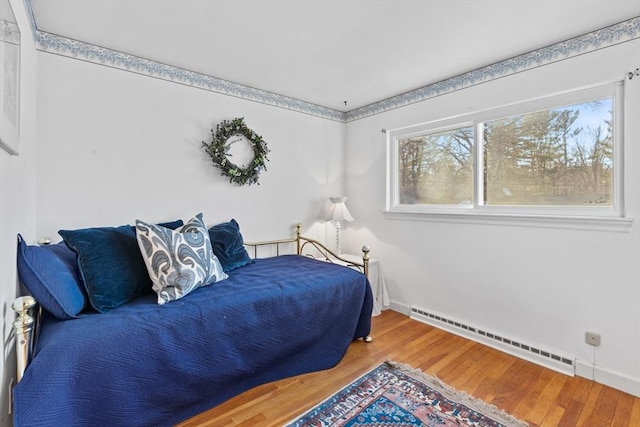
point(394, 395)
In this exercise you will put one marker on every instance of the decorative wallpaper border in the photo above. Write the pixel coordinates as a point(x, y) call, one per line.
point(9, 32)
point(605, 37)
point(31, 18)
point(99, 55)
point(608, 36)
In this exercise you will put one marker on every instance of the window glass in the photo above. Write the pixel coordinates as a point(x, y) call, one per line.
point(557, 157)
point(437, 168)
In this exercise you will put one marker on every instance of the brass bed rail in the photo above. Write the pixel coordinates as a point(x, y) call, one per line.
point(320, 250)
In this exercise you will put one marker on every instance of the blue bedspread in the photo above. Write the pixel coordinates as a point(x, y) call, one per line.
point(145, 364)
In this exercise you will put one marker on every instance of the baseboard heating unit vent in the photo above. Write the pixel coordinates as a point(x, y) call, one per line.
point(563, 364)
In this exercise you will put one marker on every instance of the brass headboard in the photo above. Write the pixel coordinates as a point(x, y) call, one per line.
point(321, 251)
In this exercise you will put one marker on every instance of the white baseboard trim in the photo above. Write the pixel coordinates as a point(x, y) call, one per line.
point(540, 356)
point(609, 378)
point(400, 308)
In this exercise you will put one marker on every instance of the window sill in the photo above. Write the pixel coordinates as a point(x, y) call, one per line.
point(594, 223)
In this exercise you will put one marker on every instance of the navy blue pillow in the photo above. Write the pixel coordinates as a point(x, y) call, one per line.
point(111, 265)
point(228, 245)
point(50, 274)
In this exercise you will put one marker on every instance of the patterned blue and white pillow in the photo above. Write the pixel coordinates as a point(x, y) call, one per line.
point(178, 261)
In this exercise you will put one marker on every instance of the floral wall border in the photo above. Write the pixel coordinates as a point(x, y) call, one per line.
point(9, 32)
point(599, 39)
point(99, 55)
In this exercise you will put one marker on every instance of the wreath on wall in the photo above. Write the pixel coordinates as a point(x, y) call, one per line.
point(218, 150)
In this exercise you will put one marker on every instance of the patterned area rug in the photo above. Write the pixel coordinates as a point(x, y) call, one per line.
point(396, 395)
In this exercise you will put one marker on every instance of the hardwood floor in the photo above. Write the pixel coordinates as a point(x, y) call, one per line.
point(537, 395)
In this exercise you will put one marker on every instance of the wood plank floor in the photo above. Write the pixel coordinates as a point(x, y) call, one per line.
point(537, 395)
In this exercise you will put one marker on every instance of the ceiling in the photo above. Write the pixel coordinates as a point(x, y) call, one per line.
point(328, 52)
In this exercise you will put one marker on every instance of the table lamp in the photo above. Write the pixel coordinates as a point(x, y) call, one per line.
point(338, 212)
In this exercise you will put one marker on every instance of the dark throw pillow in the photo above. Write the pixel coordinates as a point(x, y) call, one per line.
point(228, 245)
point(50, 274)
point(112, 268)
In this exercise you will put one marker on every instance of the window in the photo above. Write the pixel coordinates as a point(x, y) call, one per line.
point(437, 167)
point(555, 157)
point(558, 156)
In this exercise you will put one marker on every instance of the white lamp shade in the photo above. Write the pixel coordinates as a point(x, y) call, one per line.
point(338, 210)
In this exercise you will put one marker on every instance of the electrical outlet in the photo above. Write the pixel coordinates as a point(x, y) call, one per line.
point(592, 338)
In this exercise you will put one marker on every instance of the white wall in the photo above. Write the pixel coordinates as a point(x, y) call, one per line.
point(541, 286)
point(17, 203)
point(114, 146)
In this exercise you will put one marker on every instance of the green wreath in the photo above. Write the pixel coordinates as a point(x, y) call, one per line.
point(218, 150)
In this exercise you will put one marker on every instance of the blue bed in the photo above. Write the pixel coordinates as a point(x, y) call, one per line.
point(149, 364)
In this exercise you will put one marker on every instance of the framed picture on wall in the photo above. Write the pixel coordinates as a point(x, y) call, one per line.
point(9, 79)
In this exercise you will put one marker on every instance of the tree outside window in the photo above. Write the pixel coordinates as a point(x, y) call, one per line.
point(555, 157)
point(558, 157)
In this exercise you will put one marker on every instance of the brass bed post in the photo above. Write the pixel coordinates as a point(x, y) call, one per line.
point(365, 260)
point(365, 270)
point(24, 327)
point(298, 234)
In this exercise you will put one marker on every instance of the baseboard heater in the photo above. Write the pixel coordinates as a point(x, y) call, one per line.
point(563, 364)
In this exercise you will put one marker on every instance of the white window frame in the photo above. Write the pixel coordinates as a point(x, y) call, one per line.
point(589, 217)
